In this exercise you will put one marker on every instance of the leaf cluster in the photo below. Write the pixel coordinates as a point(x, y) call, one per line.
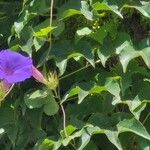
point(100, 51)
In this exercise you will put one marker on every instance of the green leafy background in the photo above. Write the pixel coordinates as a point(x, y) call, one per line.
point(100, 50)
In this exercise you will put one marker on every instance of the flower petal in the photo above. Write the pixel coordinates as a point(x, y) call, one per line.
point(1, 74)
point(14, 67)
point(13, 60)
point(19, 75)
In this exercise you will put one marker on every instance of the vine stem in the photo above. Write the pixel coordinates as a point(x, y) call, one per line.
point(9, 90)
point(63, 112)
point(70, 74)
point(146, 118)
point(64, 119)
point(51, 12)
point(50, 24)
point(64, 115)
point(7, 93)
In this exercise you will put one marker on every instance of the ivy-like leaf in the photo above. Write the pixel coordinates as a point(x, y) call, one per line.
point(107, 7)
point(44, 31)
point(133, 125)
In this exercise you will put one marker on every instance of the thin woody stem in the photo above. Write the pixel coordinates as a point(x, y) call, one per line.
point(64, 120)
point(148, 115)
point(74, 72)
point(51, 19)
point(7, 92)
point(63, 112)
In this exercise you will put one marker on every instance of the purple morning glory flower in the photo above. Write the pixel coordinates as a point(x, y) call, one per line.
point(14, 67)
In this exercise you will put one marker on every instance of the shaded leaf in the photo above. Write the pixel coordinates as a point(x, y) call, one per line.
point(133, 125)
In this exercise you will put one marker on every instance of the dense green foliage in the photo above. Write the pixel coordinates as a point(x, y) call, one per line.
point(99, 51)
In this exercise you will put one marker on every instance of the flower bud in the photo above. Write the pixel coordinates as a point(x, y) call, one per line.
point(52, 80)
point(38, 75)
